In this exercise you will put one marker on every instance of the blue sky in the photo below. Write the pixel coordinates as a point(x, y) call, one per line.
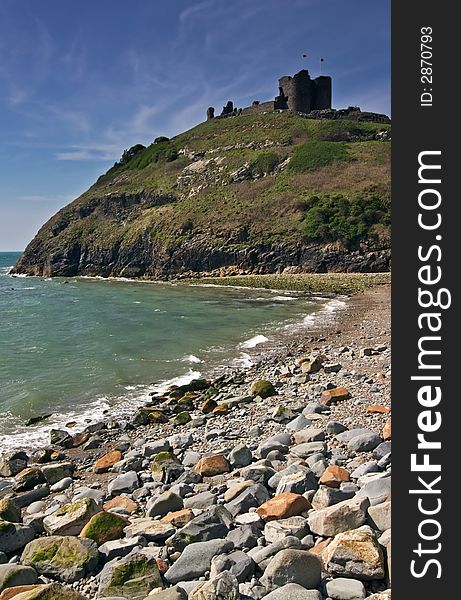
point(80, 80)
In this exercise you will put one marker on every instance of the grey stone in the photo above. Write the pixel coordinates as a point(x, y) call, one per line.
point(191, 458)
point(55, 472)
point(222, 587)
point(173, 593)
point(245, 536)
point(327, 496)
point(380, 515)
point(163, 504)
point(240, 456)
point(14, 536)
point(335, 427)
point(310, 434)
point(150, 529)
point(125, 483)
point(377, 490)
point(62, 484)
point(86, 492)
point(369, 467)
point(195, 560)
point(293, 591)
point(347, 436)
point(338, 518)
point(292, 566)
point(115, 548)
point(308, 448)
point(364, 442)
point(13, 575)
point(278, 530)
point(345, 589)
point(382, 450)
point(274, 481)
point(298, 423)
point(201, 500)
point(260, 555)
point(297, 483)
point(238, 563)
point(213, 524)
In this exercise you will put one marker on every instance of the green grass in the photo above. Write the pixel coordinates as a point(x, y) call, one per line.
point(313, 155)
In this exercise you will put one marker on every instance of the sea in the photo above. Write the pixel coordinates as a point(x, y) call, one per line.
point(79, 349)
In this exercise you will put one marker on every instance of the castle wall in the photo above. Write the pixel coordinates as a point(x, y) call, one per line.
point(259, 108)
point(322, 96)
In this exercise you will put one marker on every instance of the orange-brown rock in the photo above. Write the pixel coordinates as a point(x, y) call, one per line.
point(334, 395)
point(387, 430)
point(79, 439)
point(179, 518)
point(377, 408)
point(11, 592)
point(283, 506)
point(121, 502)
point(333, 476)
point(103, 464)
point(209, 466)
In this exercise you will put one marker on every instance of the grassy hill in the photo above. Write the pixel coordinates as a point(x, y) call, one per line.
point(255, 193)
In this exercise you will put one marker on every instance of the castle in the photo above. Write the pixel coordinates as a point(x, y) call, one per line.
point(301, 94)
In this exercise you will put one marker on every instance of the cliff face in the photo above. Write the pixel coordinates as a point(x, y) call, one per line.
point(258, 193)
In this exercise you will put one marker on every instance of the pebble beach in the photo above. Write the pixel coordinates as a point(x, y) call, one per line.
point(271, 481)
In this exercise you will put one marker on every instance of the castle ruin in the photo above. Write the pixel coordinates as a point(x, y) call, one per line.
point(301, 94)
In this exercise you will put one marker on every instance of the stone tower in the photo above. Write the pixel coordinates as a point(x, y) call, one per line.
point(302, 94)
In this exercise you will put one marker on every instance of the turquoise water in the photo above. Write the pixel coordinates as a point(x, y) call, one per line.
point(77, 347)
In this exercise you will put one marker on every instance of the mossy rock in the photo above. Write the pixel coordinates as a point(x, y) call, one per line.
point(66, 558)
point(70, 518)
point(104, 527)
point(262, 388)
point(133, 576)
point(162, 458)
point(182, 418)
point(208, 406)
point(9, 511)
point(12, 575)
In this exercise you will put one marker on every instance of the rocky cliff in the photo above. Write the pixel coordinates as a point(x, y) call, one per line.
point(258, 193)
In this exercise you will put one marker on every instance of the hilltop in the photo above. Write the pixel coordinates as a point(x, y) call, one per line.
point(255, 193)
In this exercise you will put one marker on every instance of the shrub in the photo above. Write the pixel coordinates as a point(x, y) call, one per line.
point(314, 154)
point(337, 218)
point(129, 154)
point(155, 153)
point(264, 163)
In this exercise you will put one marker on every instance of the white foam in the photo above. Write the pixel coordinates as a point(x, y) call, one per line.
point(254, 341)
point(192, 359)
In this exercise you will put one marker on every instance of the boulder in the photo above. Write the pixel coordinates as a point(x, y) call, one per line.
point(345, 589)
point(293, 591)
point(223, 587)
point(283, 506)
point(338, 518)
point(70, 519)
point(106, 462)
point(333, 476)
point(380, 515)
point(292, 566)
point(9, 511)
point(66, 558)
point(14, 536)
point(355, 554)
point(125, 483)
point(238, 563)
point(209, 466)
point(12, 575)
point(104, 527)
point(132, 576)
point(12, 463)
point(159, 506)
point(195, 560)
point(55, 472)
point(262, 388)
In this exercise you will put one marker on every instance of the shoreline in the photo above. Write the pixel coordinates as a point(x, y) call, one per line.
point(214, 440)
